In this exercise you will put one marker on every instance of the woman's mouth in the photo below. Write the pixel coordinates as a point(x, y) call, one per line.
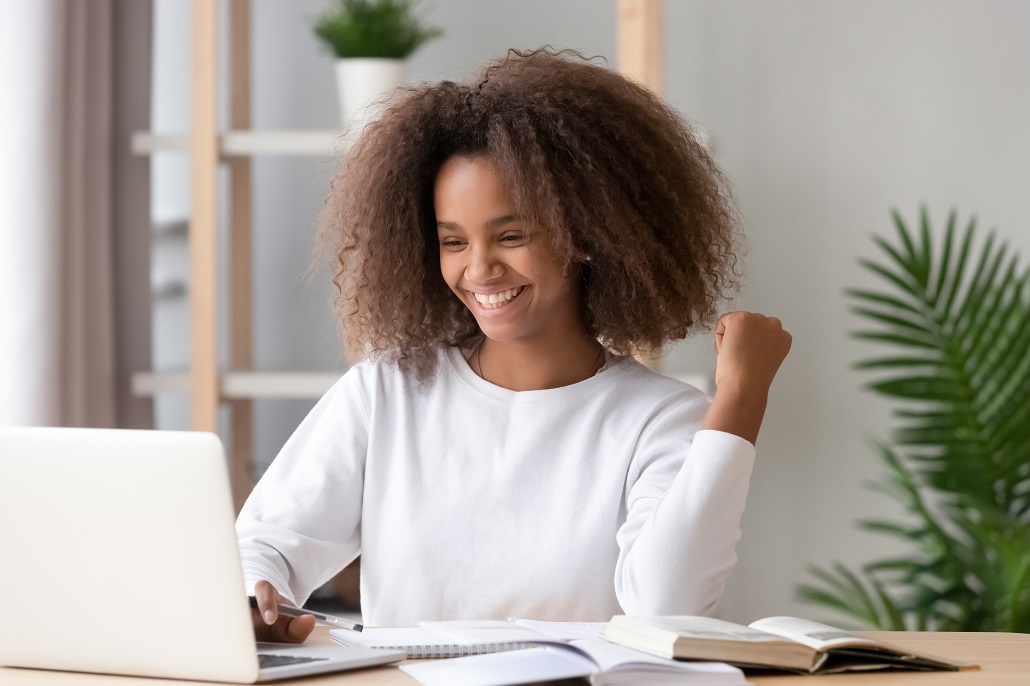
point(495, 301)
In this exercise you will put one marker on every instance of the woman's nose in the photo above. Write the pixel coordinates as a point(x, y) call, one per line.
point(483, 265)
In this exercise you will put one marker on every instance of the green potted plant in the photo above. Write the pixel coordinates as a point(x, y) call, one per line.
point(953, 324)
point(371, 40)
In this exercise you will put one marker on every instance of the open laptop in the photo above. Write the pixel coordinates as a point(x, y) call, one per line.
point(120, 557)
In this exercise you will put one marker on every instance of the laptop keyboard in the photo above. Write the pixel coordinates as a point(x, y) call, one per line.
point(265, 661)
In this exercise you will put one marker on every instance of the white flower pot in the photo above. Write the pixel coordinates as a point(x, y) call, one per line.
point(360, 82)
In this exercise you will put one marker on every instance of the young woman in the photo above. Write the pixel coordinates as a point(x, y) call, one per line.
point(501, 247)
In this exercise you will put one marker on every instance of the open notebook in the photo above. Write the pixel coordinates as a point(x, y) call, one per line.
point(498, 653)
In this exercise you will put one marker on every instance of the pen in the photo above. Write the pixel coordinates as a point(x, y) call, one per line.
point(288, 611)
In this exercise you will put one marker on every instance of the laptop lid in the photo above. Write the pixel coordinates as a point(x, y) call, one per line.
point(120, 556)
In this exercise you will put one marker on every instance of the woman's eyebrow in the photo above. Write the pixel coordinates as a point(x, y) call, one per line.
point(494, 223)
point(501, 221)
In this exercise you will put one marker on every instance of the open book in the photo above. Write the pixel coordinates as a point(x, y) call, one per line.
point(535, 651)
point(787, 643)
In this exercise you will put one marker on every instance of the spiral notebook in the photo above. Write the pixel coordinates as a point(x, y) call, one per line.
point(461, 639)
point(419, 642)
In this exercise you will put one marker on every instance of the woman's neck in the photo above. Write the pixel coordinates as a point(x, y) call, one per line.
point(537, 365)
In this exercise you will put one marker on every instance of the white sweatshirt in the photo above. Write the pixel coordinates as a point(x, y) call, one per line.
point(470, 501)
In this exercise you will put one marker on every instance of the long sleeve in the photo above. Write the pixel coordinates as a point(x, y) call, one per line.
point(302, 522)
point(685, 497)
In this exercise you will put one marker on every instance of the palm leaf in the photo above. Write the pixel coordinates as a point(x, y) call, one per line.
point(951, 282)
point(956, 320)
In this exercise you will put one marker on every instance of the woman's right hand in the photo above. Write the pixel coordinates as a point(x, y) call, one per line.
point(269, 625)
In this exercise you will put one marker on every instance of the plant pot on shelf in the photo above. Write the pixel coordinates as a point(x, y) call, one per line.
point(362, 81)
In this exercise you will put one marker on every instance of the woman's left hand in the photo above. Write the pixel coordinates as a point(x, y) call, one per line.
point(749, 348)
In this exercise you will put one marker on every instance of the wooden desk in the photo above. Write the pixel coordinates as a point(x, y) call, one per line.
point(1004, 660)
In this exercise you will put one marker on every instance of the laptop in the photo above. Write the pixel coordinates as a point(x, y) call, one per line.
point(120, 557)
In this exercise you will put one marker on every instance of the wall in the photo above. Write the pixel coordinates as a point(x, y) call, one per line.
point(824, 115)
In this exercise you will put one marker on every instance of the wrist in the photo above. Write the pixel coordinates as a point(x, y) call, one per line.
point(737, 410)
point(741, 392)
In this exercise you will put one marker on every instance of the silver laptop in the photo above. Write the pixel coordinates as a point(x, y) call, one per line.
point(119, 556)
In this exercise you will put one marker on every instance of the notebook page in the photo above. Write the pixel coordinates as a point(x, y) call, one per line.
point(564, 631)
point(502, 669)
point(486, 630)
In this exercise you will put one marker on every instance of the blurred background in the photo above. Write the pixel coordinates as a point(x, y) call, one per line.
point(824, 115)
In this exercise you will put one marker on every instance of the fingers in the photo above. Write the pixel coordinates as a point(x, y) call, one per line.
point(269, 625)
point(287, 630)
point(720, 331)
point(752, 322)
point(267, 600)
point(298, 628)
point(749, 350)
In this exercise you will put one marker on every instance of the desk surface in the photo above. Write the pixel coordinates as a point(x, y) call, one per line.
point(1004, 660)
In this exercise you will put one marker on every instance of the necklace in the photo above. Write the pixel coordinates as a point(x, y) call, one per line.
point(594, 368)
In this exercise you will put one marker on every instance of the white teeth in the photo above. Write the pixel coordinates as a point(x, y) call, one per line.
point(496, 300)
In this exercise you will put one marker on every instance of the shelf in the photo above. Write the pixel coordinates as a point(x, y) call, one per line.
point(287, 384)
point(316, 143)
point(234, 385)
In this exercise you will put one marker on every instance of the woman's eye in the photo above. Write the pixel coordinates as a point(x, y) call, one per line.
point(451, 243)
point(513, 237)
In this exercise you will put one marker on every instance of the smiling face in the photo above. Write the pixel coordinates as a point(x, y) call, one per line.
point(510, 280)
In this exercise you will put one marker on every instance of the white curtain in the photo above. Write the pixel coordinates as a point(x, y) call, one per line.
point(74, 212)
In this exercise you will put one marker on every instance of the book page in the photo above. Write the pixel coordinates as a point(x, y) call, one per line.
point(611, 658)
point(814, 634)
point(704, 628)
point(564, 631)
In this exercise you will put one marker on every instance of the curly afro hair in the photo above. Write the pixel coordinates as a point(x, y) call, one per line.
point(612, 176)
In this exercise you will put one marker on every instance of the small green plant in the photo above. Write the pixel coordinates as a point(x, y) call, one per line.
point(373, 28)
point(958, 375)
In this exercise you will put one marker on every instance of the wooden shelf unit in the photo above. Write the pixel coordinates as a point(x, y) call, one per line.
point(315, 143)
point(640, 50)
point(241, 385)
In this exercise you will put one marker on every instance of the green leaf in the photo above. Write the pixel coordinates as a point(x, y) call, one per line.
point(898, 339)
point(955, 282)
point(910, 260)
point(899, 281)
point(894, 619)
point(373, 28)
point(845, 594)
point(922, 388)
point(882, 299)
point(892, 528)
point(893, 320)
point(993, 310)
point(942, 270)
point(926, 248)
point(974, 293)
point(891, 362)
